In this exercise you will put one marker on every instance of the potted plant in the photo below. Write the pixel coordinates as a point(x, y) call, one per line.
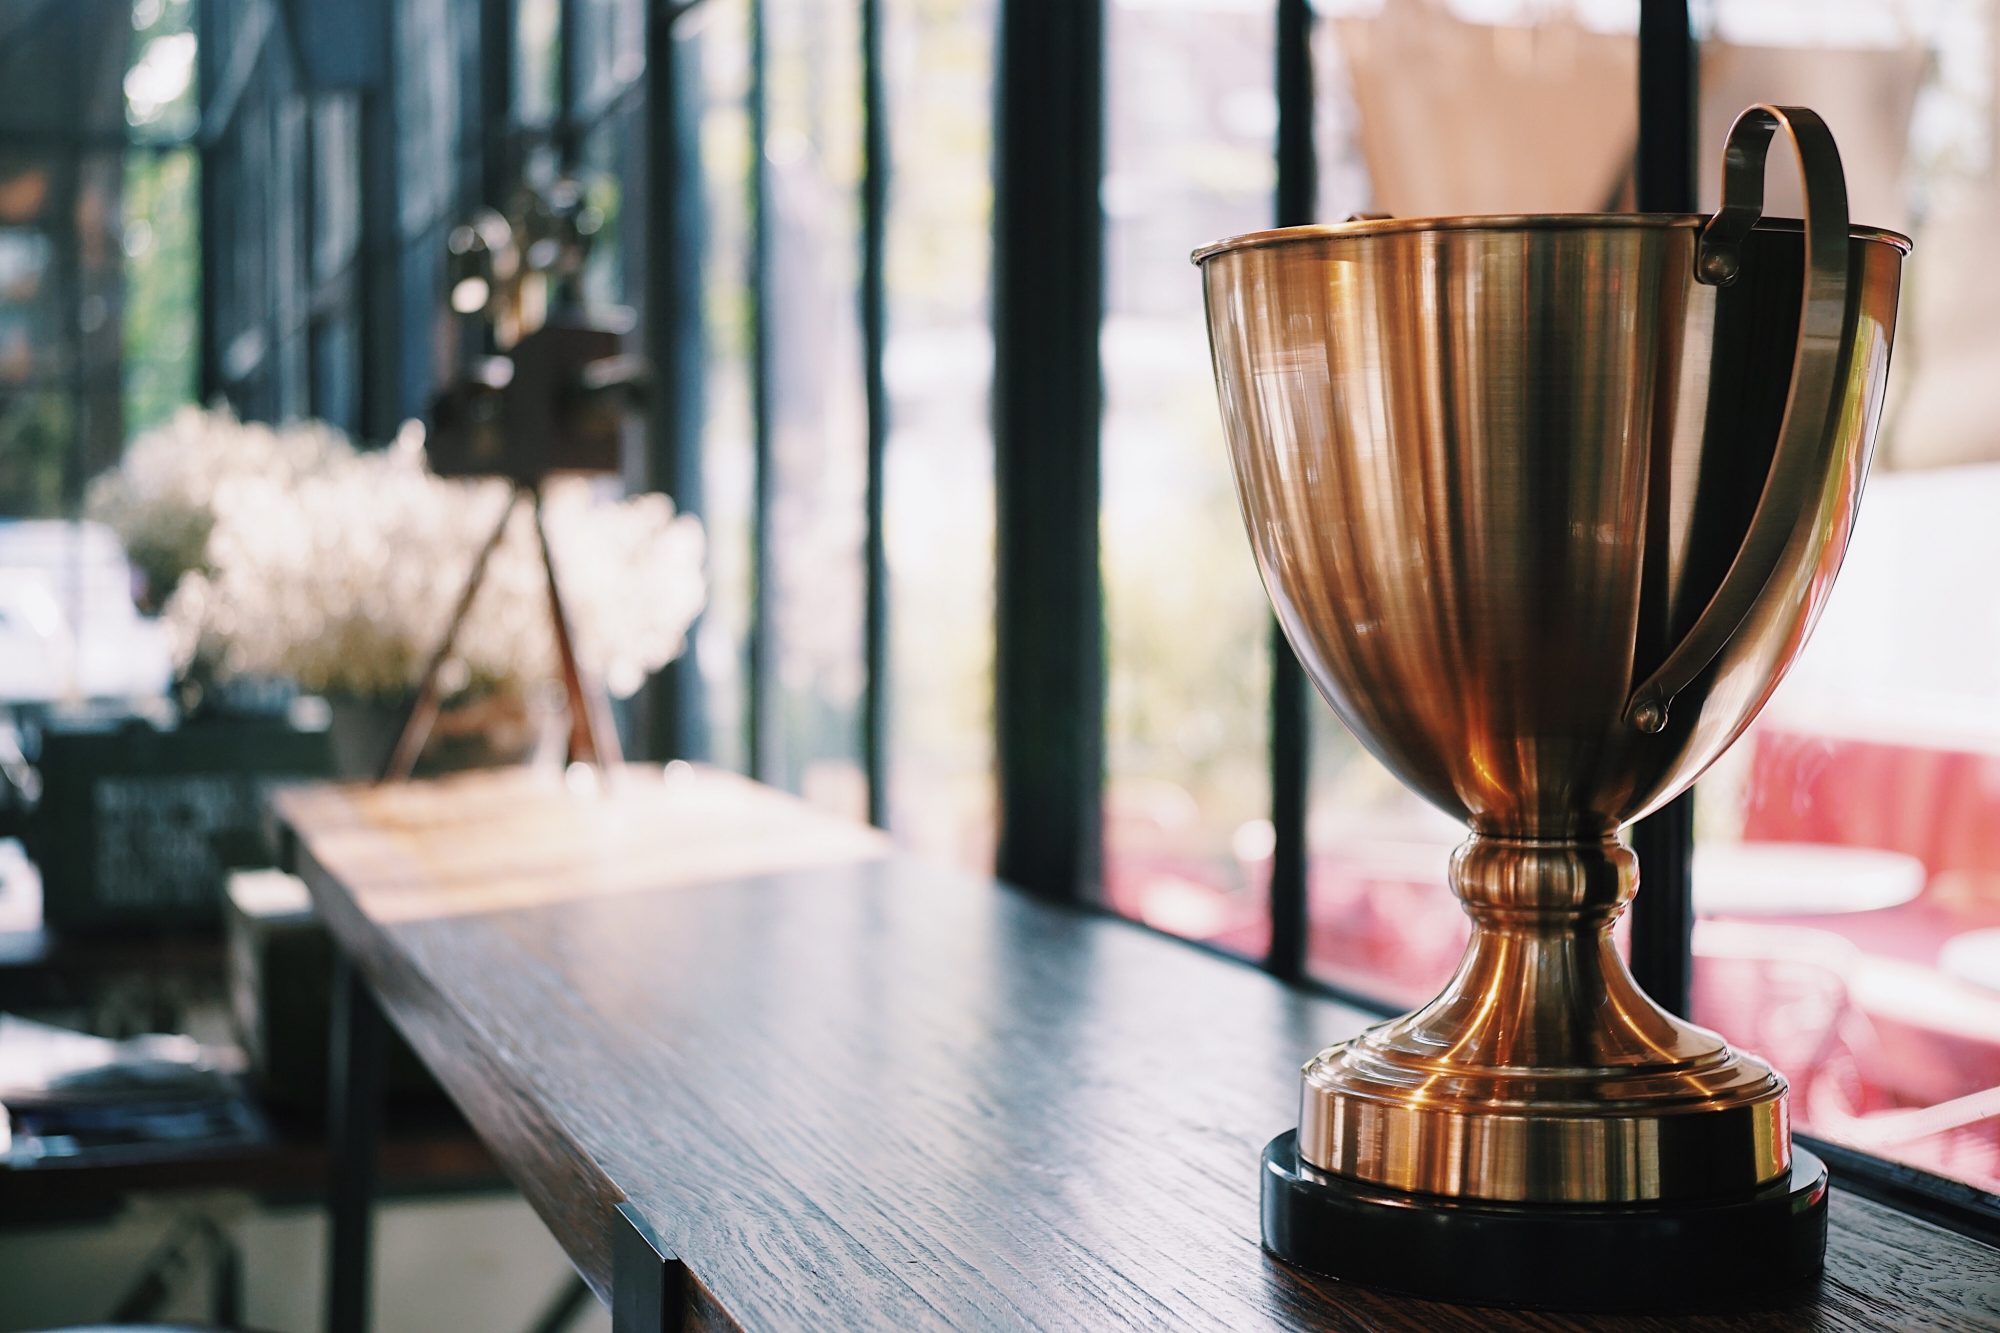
point(337, 569)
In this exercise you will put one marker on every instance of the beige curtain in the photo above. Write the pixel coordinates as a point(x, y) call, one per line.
point(1948, 349)
point(1460, 117)
point(1865, 97)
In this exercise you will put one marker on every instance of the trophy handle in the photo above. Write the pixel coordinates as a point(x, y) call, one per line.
point(1818, 369)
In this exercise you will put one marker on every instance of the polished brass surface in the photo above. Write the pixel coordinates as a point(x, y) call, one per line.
point(1547, 506)
point(1543, 1072)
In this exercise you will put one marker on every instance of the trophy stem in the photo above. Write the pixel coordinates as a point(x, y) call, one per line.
point(1542, 1133)
point(1542, 1073)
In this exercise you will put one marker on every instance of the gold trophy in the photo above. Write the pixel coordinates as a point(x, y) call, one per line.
point(1547, 505)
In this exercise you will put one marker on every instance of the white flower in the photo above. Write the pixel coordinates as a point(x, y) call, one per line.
point(344, 579)
point(160, 499)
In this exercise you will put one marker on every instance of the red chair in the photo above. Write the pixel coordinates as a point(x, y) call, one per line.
point(1878, 1058)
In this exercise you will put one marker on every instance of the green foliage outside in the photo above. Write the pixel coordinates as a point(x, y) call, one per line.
point(36, 430)
point(161, 214)
point(162, 297)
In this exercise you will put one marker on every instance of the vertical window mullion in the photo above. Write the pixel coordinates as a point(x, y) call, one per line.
point(874, 334)
point(65, 235)
point(1048, 305)
point(381, 242)
point(1663, 913)
point(569, 79)
point(674, 336)
point(211, 148)
point(273, 107)
point(763, 722)
point(496, 99)
point(1291, 695)
point(310, 205)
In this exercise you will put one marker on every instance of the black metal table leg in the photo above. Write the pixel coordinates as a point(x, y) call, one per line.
point(648, 1282)
point(354, 1121)
point(567, 1307)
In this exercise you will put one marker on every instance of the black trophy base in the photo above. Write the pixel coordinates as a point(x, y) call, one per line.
point(1762, 1246)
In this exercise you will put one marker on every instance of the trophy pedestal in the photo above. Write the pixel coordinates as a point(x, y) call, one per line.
point(1651, 1256)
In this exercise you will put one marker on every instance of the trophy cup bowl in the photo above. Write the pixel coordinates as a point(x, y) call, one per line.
point(1546, 506)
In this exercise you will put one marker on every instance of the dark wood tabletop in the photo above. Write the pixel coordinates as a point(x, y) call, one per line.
point(851, 1089)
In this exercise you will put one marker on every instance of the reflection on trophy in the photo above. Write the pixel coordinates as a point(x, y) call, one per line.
point(1546, 505)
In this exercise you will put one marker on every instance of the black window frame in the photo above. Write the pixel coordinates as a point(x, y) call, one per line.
point(67, 40)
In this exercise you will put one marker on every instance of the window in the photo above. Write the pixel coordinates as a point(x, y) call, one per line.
point(281, 227)
point(1190, 120)
point(937, 70)
point(856, 396)
point(718, 37)
point(159, 227)
point(99, 267)
point(1848, 926)
point(1382, 920)
point(790, 197)
point(816, 426)
point(1847, 868)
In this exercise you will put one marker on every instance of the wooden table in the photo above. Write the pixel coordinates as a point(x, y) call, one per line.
point(1973, 958)
point(170, 980)
point(753, 1068)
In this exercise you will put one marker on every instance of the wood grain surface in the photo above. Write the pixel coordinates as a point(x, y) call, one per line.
point(855, 1090)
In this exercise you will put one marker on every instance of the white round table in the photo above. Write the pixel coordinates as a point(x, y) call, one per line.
point(1973, 958)
point(1799, 879)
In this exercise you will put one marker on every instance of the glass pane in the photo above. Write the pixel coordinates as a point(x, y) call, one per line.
point(38, 65)
point(61, 186)
point(243, 266)
point(162, 281)
point(336, 184)
point(938, 509)
point(1847, 870)
point(292, 251)
point(605, 152)
point(99, 275)
point(1382, 920)
point(818, 419)
point(720, 34)
point(1190, 139)
point(36, 430)
point(336, 371)
point(31, 299)
point(427, 112)
point(611, 41)
point(160, 92)
point(537, 60)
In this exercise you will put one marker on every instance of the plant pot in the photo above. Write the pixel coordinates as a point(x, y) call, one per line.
point(489, 730)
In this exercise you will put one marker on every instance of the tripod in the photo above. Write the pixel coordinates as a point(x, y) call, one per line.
point(592, 737)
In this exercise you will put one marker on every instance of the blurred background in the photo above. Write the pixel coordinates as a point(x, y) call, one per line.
point(258, 262)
